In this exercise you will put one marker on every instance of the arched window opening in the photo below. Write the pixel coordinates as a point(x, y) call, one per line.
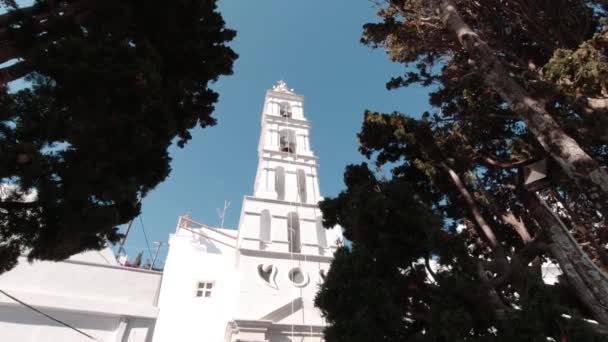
point(285, 109)
point(321, 233)
point(265, 225)
point(301, 177)
point(293, 232)
point(287, 140)
point(279, 182)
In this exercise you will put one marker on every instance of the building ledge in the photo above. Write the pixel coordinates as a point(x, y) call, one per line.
point(285, 255)
point(289, 203)
point(84, 305)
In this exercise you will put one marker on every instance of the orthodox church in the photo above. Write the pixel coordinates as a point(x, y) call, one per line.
point(256, 283)
point(253, 284)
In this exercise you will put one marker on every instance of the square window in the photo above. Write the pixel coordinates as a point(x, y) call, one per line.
point(203, 289)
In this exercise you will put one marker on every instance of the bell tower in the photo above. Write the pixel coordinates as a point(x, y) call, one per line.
point(284, 251)
point(257, 283)
point(282, 215)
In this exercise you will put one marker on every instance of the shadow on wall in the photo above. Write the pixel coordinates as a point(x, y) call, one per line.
point(27, 317)
point(205, 245)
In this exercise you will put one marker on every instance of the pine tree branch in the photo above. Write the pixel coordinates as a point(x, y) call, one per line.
point(11, 15)
point(14, 72)
point(12, 205)
point(44, 13)
point(7, 52)
point(573, 160)
point(484, 228)
point(492, 162)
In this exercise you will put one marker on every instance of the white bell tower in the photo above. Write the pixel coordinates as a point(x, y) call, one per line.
point(282, 215)
point(284, 251)
point(256, 284)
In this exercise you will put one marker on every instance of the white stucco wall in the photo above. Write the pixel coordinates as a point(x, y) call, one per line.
point(183, 316)
point(89, 291)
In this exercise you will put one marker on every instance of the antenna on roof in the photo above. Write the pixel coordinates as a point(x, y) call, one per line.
point(222, 213)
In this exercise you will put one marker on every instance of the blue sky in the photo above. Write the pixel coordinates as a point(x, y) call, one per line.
point(314, 46)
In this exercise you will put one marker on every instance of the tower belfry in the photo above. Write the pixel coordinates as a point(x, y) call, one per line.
point(256, 284)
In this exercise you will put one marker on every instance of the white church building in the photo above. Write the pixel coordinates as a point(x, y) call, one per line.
point(253, 284)
point(257, 283)
point(91, 292)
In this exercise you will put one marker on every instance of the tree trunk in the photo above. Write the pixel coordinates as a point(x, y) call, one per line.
point(485, 231)
point(575, 162)
point(589, 283)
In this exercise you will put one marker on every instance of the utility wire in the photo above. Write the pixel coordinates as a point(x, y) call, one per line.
point(143, 229)
point(47, 315)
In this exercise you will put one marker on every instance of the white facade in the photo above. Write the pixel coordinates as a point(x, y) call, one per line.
point(258, 283)
point(90, 291)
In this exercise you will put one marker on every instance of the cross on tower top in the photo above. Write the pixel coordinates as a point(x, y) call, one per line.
point(281, 86)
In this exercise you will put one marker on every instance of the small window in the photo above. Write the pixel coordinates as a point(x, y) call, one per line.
point(265, 226)
point(279, 182)
point(203, 289)
point(301, 178)
point(285, 109)
point(321, 236)
point(298, 277)
point(293, 232)
point(287, 140)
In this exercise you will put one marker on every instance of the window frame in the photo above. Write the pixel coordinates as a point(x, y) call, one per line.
point(285, 108)
point(301, 184)
point(206, 291)
point(288, 140)
point(293, 233)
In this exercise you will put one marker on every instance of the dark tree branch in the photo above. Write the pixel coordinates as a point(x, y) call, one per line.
point(484, 228)
point(509, 164)
point(14, 72)
point(19, 205)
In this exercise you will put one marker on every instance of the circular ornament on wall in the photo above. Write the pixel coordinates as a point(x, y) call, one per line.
point(298, 277)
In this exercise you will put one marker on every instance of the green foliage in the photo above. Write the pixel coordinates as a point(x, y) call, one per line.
point(422, 265)
point(584, 69)
point(379, 288)
point(113, 85)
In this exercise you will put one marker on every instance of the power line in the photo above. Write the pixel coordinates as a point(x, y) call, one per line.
point(143, 229)
point(48, 316)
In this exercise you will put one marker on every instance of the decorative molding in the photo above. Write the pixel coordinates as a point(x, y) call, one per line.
point(288, 203)
point(285, 255)
point(282, 87)
point(313, 160)
point(304, 274)
point(291, 156)
point(268, 273)
point(284, 96)
point(280, 217)
point(299, 123)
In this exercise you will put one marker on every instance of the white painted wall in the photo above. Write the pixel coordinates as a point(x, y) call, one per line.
point(183, 316)
point(89, 291)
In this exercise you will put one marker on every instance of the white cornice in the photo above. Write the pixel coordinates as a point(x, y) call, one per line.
point(287, 203)
point(285, 255)
point(285, 96)
point(290, 122)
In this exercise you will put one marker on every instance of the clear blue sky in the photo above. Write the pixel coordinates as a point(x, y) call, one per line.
point(313, 45)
